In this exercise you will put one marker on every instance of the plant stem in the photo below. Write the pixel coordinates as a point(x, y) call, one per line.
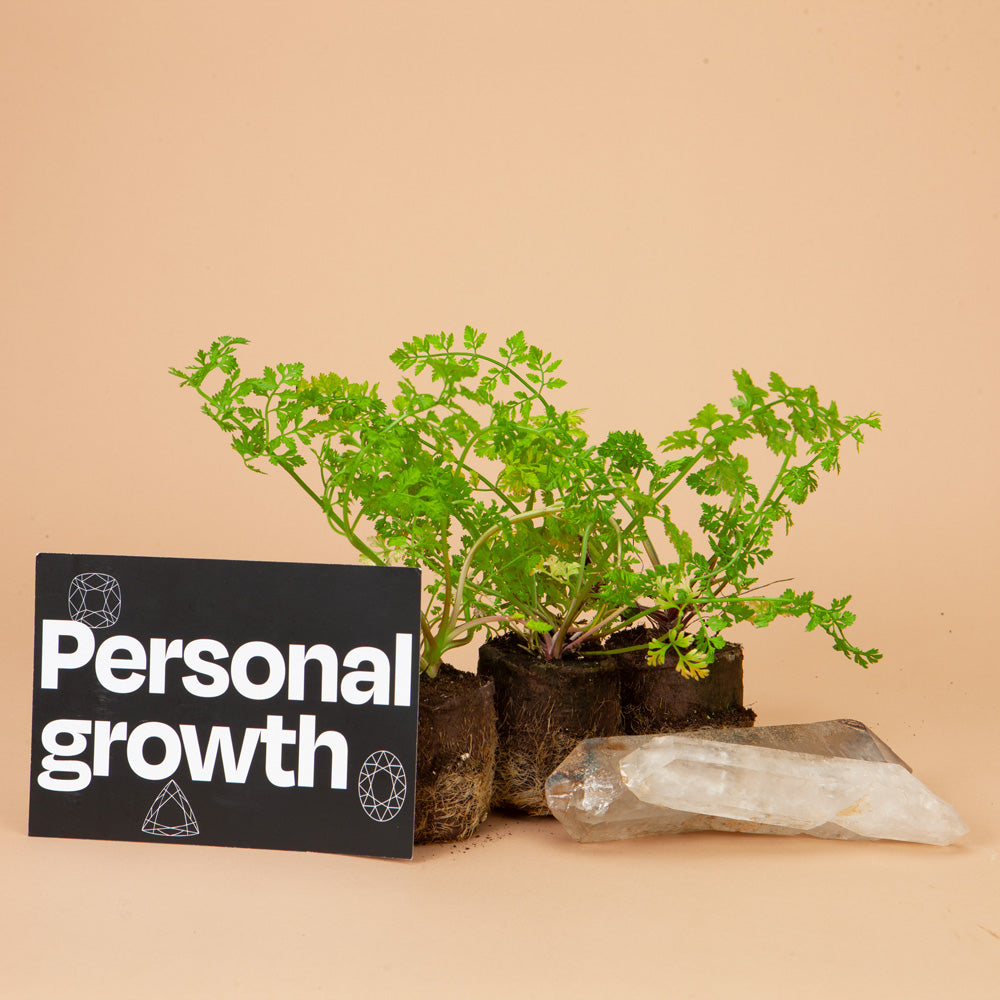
point(485, 537)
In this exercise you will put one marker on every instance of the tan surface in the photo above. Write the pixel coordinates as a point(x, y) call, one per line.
point(658, 192)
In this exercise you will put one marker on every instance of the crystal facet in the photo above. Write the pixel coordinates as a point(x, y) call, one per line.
point(832, 779)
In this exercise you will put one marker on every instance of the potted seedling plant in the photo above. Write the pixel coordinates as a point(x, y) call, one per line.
point(553, 599)
point(396, 480)
point(544, 569)
point(677, 669)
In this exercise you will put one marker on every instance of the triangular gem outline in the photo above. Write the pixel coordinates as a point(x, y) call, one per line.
point(171, 792)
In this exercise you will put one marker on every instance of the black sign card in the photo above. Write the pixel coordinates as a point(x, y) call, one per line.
point(242, 704)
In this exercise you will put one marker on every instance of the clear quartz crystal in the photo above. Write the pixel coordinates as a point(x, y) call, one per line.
point(827, 779)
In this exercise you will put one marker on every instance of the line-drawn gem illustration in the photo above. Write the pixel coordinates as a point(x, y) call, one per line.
point(382, 786)
point(171, 814)
point(95, 599)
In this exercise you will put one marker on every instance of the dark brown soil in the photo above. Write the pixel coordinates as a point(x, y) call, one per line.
point(659, 700)
point(456, 755)
point(543, 710)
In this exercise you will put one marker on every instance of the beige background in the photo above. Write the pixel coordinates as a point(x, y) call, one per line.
point(657, 192)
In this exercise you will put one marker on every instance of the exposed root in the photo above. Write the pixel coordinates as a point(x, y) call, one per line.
point(453, 805)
